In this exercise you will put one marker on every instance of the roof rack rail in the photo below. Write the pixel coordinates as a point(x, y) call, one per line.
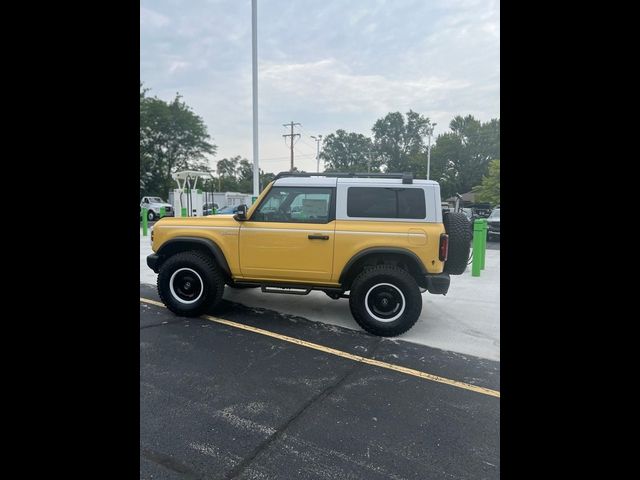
point(406, 177)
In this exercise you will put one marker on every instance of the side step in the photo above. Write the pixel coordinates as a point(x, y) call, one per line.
point(285, 290)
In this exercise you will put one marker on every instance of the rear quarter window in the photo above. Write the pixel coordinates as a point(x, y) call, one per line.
point(381, 202)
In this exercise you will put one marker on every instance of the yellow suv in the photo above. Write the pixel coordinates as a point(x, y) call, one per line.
point(378, 240)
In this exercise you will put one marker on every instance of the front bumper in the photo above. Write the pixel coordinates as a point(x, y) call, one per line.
point(153, 262)
point(438, 283)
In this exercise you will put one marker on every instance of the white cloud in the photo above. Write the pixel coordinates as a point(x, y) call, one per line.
point(177, 65)
point(152, 19)
point(331, 64)
point(331, 86)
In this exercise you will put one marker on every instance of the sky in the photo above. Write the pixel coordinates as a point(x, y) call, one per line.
point(326, 64)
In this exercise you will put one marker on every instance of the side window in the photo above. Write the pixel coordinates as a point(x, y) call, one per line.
point(381, 202)
point(296, 205)
point(411, 203)
point(146, 200)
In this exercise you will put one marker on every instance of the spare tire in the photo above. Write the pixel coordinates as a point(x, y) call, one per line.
point(458, 228)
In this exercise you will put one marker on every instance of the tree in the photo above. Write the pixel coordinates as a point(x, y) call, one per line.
point(461, 157)
point(265, 179)
point(400, 143)
point(245, 176)
point(489, 190)
point(172, 138)
point(348, 152)
point(227, 171)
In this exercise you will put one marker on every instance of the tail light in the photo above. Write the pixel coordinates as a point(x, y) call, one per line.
point(444, 247)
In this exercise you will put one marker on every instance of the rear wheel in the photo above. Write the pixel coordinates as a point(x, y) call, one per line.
point(385, 300)
point(189, 283)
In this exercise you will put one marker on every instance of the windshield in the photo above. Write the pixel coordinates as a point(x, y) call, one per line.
point(495, 213)
point(156, 200)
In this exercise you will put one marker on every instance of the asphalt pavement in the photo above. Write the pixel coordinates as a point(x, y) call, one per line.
point(274, 396)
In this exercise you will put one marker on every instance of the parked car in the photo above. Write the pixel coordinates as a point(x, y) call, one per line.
point(493, 223)
point(228, 210)
point(210, 209)
point(381, 242)
point(153, 205)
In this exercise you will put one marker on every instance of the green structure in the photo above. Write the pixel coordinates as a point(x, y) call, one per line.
point(479, 246)
point(145, 221)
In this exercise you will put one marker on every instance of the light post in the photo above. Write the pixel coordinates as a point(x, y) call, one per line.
point(429, 133)
point(318, 139)
point(254, 76)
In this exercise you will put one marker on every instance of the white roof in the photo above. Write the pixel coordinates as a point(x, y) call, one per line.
point(334, 181)
point(190, 173)
point(306, 182)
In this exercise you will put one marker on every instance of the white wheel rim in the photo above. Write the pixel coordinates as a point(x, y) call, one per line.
point(173, 292)
point(378, 318)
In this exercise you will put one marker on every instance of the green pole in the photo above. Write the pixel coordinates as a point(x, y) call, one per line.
point(163, 212)
point(183, 212)
point(477, 247)
point(145, 221)
point(485, 228)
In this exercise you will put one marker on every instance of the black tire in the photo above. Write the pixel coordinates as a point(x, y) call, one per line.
point(457, 227)
point(151, 216)
point(205, 283)
point(402, 294)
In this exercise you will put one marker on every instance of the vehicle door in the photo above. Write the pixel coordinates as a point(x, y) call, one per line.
point(290, 236)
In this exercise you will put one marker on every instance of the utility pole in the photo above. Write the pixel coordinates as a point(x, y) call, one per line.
point(292, 135)
point(317, 139)
point(430, 133)
point(254, 75)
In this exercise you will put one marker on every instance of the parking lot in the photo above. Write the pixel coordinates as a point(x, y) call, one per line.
point(267, 395)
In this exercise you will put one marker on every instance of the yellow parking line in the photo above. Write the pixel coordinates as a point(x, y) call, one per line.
point(340, 353)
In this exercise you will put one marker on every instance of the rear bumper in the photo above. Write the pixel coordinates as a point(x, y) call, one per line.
point(438, 283)
point(153, 262)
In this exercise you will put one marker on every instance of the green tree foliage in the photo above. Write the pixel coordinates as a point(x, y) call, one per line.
point(489, 190)
point(265, 179)
point(461, 157)
point(348, 152)
point(245, 176)
point(235, 174)
point(172, 138)
point(399, 142)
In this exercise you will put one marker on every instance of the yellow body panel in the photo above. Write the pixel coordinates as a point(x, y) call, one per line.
point(354, 236)
point(283, 252)
point(221, 229)
point(277, 251)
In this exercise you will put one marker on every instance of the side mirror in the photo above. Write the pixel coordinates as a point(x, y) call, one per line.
point(241, 216)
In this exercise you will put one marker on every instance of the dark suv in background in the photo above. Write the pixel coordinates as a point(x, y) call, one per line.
point(493, 223)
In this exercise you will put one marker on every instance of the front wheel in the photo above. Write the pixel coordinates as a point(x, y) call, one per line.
point(385, 300)
point(189, 283)
point(151, 216)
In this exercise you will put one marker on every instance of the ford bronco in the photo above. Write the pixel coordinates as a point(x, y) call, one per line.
point(378, 240)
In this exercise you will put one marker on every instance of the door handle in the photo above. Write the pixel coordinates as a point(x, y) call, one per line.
point(318, 237)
